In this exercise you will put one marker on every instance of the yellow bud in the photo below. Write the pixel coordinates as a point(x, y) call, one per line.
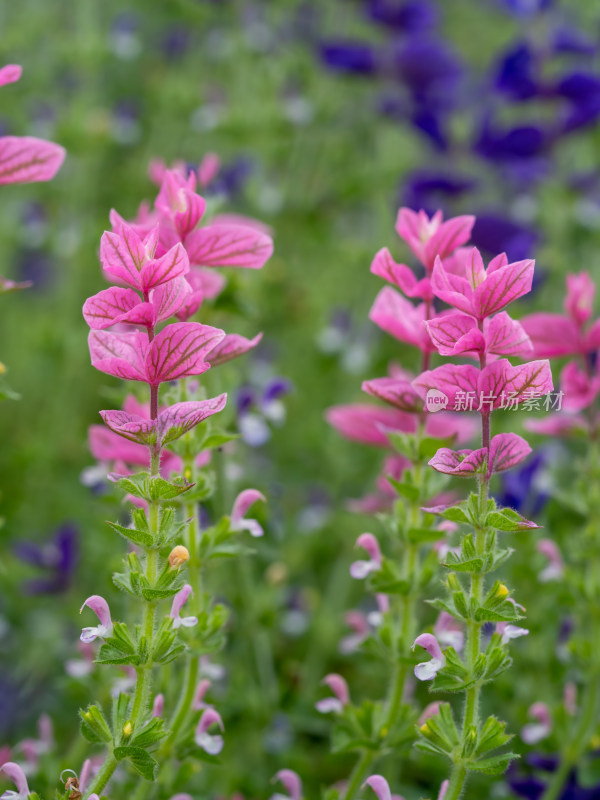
point(2, 368)
point(187, 474)
point(178, 556)
point(424, 729)
point(127, 729)
point(502, 591)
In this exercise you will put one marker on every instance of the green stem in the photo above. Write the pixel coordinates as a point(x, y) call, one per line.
point(580, 739)
point(457, 783)
point(359, 773)
point(103, 776)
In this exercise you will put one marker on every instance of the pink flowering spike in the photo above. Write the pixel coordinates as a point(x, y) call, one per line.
point(179, 601)
point(100, 607)
point(400, 318)
point(502, 287)
point(178, 202)
point(120, 354)
point(443, 789)
point(6, 285)
point(179, 350)
point(428, 238)
point(453, 334)
point(291, 782)
point(241, 505)
point(380, 786)
point(500, 382)
point(454, 381)
point(552, 335)
point(579, 388)
point(25, 159)
point(109, 306)
point(397, 392)
point(449, 632)
point(131, 426)
point(452, 289)
point(509, 632)
point(534, 732)
point(180, 418)
point(123, 255)
point(14, 773)
point(229, 246)
point(85, 774)
point(401, 276)
point(158, 705)
point(506, 337)
point(431, 710)
point(506, 451)
point(232, 346)
point(579, 301)
point(366, 424)
point(360, 569)
point(168, 298)
point(427, 670)
point(556, 567)
point(11, 73)
point(341, 698)
point(198, 702)
point(210, 743)
point(461, 463)
point(173, 264)
point(208, 169)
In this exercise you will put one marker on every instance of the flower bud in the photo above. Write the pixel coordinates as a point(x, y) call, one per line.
point(2, 368)
point(178, 556)
point(127, 730)
point(502, 591)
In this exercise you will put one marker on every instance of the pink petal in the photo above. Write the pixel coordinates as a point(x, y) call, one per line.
point(506, 451)
point(180, 349)
point(454, 381)
point(180, 599)
point(137, 429)
point(453, 334)
point(400, 275)
point(180, 418)
point(462, 463)
point(168, 298)
point(107, 446)
point(291, 782)
point(208, 169)
point(502, 287)
point(451, 234)
point(108, 307)
point(100, 607)
point(505, 383)
point(338, 686)
point(364, 423)
point(243, 502)
point(17, 776)
point(428, 642)
point(380, 786)
point(452, 289)
point(579, 301)
point(394, 391)
point(208, 718)
point(580, 389)
point(198, 702)
point(172, 265)
point(443, 789)
point(25, 159)
point(10, 74)
point(506, 337)
point(552, 335)
point(229, 246)
point(369, 543)
point(232, 346)
point(123, 255)
point(397, 316)
point(119, 354)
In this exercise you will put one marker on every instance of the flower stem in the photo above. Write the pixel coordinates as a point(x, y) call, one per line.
point(103, 776)
point(359, 773)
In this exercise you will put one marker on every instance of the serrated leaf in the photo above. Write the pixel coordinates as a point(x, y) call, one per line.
point(142, 538)
point(493, 766)
point(140, 759)
point(509, 520)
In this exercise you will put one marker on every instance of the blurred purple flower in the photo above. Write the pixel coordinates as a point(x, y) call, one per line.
point(259, 407)
point(520, 488)
point(354, 57)
point(427, 190)
point(56, 558)
point(493, 233)
point(406, 16)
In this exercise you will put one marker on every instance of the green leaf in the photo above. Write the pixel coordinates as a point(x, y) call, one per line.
point(143, 538)
point(152, 733)
point(94, 726)
point(474, 565)
point(455, 513)
point(218, 439)
point(423, 535)
point(140, 759)
point(509, 520)
point(493, 766)
point(408, 490)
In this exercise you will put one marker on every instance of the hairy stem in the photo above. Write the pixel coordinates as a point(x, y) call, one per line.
point(359, 773)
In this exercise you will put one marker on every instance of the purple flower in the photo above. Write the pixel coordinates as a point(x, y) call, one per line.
point(341, 697)
point(360, 569)
point(429, 191)
point(541, 728)
point(493, 233)
point(17, 776)
point(179, 601)
point(358, 58)
point(427, 670)
point(57, 559)
point(210, 743)
point(516, 74)
point(100, 607)
point(241, 505)
point(292, 784)
point(406, 16)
